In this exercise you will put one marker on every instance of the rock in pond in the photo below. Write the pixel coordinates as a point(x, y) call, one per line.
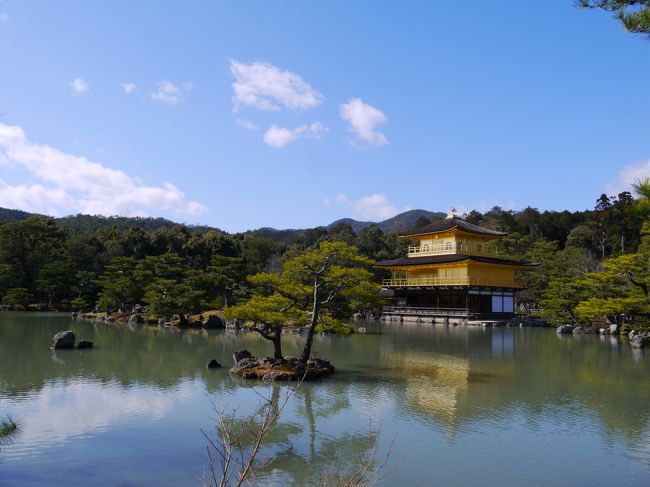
point(613, 329)
point(85, 344)
point(63, 340)
point(641, 340)
point(135, 319)
point(213, 322)
point(583, 330)
point(564, 329)
point(213, 364)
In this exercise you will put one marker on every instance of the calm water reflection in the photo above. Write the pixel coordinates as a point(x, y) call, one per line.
point(465, 406)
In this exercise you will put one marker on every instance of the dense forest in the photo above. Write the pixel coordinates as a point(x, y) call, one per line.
point(83, 262)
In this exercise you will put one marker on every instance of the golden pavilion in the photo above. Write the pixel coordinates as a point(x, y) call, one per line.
point(453, 268)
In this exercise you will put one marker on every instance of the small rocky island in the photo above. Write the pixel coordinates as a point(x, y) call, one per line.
point(282, 369)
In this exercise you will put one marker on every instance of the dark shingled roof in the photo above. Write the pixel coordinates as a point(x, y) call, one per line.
point(450, 223)
point(445, 259)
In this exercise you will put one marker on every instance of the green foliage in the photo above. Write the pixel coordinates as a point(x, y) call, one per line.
point(634, 15)
point(327, 324)
point(166, 297)
point(329, 274)
point(267, 311)
point(560, 300)
point(17, 296)
point(225, 275)
point(642, 189)
point(617, 294)
point(120, 284)
point(78, 303)
point(113, 261)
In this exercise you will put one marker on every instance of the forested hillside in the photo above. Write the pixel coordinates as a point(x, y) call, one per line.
point(83, 261)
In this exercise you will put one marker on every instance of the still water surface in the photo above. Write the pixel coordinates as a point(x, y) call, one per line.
point(462, 406)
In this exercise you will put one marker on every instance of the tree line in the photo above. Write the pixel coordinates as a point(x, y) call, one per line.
point(173, 269)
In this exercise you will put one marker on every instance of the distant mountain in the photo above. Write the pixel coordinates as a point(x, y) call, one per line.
point(398, 222)
point(7, 215)
point(89, 224)
point(407, 220)
point(355, 224)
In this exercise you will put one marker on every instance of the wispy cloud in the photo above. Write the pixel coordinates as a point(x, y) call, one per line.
point(246, 124)
point(375, 206)
point(362, 120)
point(79, 85)
point(371, 207)
point(128, 88)
point(339, 199)
point(169, 93)
point(628, 175)
point(70, 184)
point(278, 137)
point(266, 87)
point(3, 18)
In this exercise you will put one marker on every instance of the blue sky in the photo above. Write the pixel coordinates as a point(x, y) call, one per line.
point(293, 114)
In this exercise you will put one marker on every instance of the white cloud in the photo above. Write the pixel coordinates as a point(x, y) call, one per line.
point(266, 87)
point(362, 119)
point(339, 199)
point(628, 175)
point(128, 88)
point(246, 124)
point(35, 197)
point(278, 137)
point(79, 85)
point(71, 184)
point(375, 206)
point(3, 17)
point(169, 93)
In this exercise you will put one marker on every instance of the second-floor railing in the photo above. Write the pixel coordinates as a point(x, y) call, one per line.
point(450, 248)
point(449, 281)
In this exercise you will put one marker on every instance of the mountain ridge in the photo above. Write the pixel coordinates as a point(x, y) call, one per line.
point(81, 223)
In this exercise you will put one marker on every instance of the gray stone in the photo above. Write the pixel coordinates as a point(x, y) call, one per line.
point(213, 364)
point(613, 329)
point(583, 330)
point(640, 340)
point(85, 344)
point(135, 319)
point(63, 340)
point(602, 331)
point(564, 329)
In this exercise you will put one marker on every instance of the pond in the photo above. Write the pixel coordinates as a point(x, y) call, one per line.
point(459, 405)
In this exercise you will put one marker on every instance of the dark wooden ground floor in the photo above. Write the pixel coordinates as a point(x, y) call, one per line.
point(451, 301)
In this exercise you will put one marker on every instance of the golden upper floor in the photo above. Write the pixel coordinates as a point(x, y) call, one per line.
point(452, 236)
